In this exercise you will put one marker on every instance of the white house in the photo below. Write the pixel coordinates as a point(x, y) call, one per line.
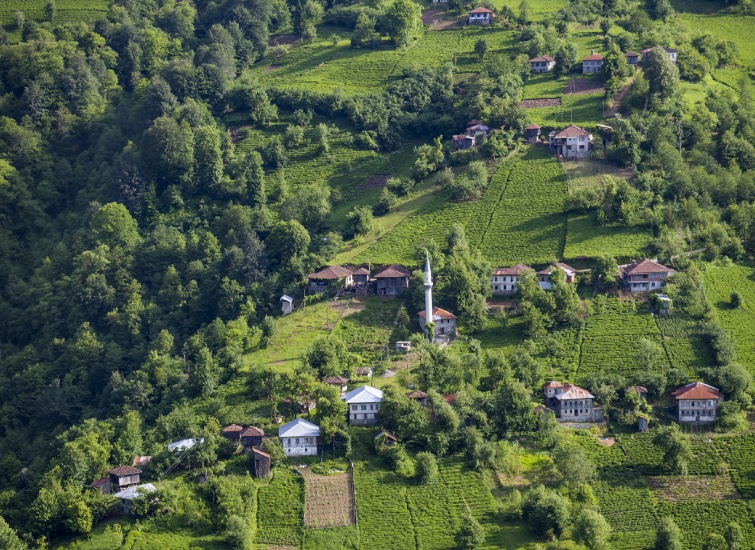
point(299, 438)
point(132, 493)
point(593, 63)
point(477, 130)
point(644, 275)
point(697, 402)
point(542, 64)
point(364, 403)
point(571, 143)
point(505, 279)
point(570, 403)
point(480, 16)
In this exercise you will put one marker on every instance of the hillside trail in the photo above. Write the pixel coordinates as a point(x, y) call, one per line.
point(619, 98)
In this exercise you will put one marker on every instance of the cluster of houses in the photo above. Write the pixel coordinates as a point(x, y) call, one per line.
point(593, 63)
point(696, 403)
point(390, 281)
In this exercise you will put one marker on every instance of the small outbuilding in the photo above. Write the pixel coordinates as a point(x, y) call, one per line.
point(339, 382)
point(664, 304)
point(418, 396)
point(462, 141)
point(632, 58)
point(102, 485)
point(261, 463)
point(386, 439)
point(252, 437)
point(403, 346)
point(184, 445)
point(364, 372)
point(319, 281)
point(642, 390)
point(232, 432)
point(287, 304)
point(532, 133)
point(123, 477)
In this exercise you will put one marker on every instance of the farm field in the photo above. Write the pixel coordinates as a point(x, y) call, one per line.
point(328, 501)
point(585, 237)
point(68, 11)
point(720, 282)
point(506, 224)
point(684, 344)
point(279, 514)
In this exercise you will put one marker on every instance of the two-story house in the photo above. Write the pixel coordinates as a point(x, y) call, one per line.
point(300, 437)
point(123, 477)
point(644, 275)
point(364, 404)
point(697, 402)
point(505, 279)
point(480, 16)
point(571, 143)
point(593, 63)
point(532, 133)
point(544, 275)
point(570, 403)
point(542, 64)
point(445, 323)
point(392, 281)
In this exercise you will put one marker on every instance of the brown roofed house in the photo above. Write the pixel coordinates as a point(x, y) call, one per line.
point(392, 281)
point(232, 432)
point(319, 281)
point(570, 403)
point(644, 275)
point(418, 396)
point(532, 133)
point(480, 16)
point(103, 484)
point(697, 402)
point(593, 63)
point(544, 275)
point(572, 142)
point(542, 63)
point(339, 382)
point(261, 463)
point(252, 437)
point(123, 477)
point(445, 323)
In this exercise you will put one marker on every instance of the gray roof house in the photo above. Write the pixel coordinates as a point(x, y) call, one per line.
point(364, 403)
point(300, 437)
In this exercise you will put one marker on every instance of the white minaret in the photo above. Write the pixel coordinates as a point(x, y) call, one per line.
point(428, 291)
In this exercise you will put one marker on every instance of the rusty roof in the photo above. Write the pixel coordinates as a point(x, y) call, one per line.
point(416, 394)
point(697, 390)
point(393, 271)
point(330, 273)
point(533, 126)
point(574, 392)
point(553, 384)
point(516, 270)
point(124, 471)
point(258, 451)
point(643, 266)
point(481, 10)
point(230, 428)
point(337, 380)
point(593, 57)
point(253, 431)
point(572, 131)
point(439, 313)
point(541, 59)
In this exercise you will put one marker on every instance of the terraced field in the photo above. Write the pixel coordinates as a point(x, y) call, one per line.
point(520, 217)
point(68, 11)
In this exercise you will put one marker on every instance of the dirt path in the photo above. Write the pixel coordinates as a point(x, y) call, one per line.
point(619, 98)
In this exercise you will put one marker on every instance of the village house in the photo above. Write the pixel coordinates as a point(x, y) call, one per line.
point(418, 396)
point(361, 280)
point(480, 16)
point(392, 281)
point(339, 382)
point(593, 63)
point(462, 141)
point(102, 484)
point(403, 346)
point(386, 439)
point(445, 323)
point(364, 404)
point(671, 53)
point(643, 275)
point(321, 280)
point(697, 402)
point(300, 438)
point(570, 403)
point(505, 279)
point(127, 496)
point(532, 133)
point(232, 432)
point(571, 143)
point(544, 276)
point(287, 304)
point(542, 64)
point(261, 462)
point(478, 130)
point(252, 437)
point(641, 390)
point(632, 58)
point(364, 372)
point(123, 477)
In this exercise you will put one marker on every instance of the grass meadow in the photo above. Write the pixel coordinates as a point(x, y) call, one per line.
point(68, 11)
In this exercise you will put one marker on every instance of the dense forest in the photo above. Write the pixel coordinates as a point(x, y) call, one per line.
point(143, 249)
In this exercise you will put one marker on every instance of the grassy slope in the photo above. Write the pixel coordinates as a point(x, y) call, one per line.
point(68, 11)
point(720, 282)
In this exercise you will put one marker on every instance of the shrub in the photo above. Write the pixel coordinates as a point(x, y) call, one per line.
point(736, 300)
point(400, 186)
point(384, 203)
point(471, 534)
point(427, 467)
point(359, 221)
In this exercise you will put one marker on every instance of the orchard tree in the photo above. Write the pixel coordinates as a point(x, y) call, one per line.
point(481, 48)
point(668, 536)
point(9, 539)
point(402, 21)
point(592, 530)
point(566, 58)
point(677, 451)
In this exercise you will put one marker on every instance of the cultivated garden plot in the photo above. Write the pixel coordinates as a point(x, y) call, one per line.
point(693, 488)
point(329, 499)
point(684, 344)
point(280, 509)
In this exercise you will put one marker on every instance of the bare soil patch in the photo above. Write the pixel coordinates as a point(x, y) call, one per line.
point(447, 24)
point(582, 86)
point(271, 68)
point(330, 499)
point(283, 39)
point(606, 441)
point(693, 488)
point(376, 181)
point(430, 16)
point(537, 103)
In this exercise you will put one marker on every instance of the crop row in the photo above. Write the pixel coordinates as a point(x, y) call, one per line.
point(560, 352)
point(67, 10)
point(682, 338)
point(280, 510)
point(586, 237)
point(627, 503)
point(698, 519)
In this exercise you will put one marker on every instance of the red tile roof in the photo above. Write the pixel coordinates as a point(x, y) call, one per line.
point(481, 10)
point(640, 267)
point(697, 390)
point(572, 131)
point(416, 394)
point(361, 271)
point(451, 398)
point(393, 272)
point(516, 270)
point(124, 471)
point(541, 59)
point(553, 384)
point(331, 273)
point(253, 431)
point(593, 57)
point(100, 482)
point(437, 312)
point(565, 267)
point(533, 127)
point(257, 451)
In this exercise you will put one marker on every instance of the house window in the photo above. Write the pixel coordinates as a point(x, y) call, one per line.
point(496, 287)
point(364, 407)
point(297, 441)
point(354, 407)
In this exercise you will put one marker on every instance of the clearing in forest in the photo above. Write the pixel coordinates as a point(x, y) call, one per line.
point(330, 499)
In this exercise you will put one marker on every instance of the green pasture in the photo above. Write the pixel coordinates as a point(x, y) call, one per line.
point(720, 282)
point(585, 237)
point(735, 27)
point(68, 11)
point(519, 218)
point(539, 9)
point(579, 109)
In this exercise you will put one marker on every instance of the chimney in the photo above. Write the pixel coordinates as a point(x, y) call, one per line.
point(592, 52)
